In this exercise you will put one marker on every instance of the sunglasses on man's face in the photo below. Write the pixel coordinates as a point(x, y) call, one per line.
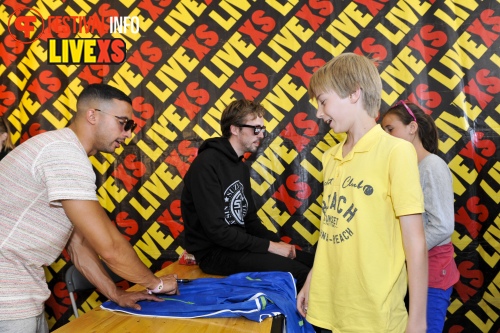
point(256, 129)
point(128, 124)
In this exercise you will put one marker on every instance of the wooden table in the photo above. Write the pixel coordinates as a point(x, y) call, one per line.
point(99, 320)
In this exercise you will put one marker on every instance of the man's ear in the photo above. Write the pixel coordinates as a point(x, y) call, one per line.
point(234, 130)
point(90, 116)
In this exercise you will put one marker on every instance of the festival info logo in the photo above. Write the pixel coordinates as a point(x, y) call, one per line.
point(66, 36)
point(26, 25)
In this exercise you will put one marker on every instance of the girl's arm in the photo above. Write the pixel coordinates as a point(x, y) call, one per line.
point(416, 260)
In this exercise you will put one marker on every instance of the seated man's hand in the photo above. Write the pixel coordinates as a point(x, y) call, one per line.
point(282, 249)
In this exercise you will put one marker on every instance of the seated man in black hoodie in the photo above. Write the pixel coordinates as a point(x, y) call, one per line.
point(222, 229)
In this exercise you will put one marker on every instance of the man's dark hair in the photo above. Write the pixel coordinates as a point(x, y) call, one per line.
point(101, 91)
point(236, 114)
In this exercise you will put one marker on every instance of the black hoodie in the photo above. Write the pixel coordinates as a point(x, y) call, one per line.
point(217, 205)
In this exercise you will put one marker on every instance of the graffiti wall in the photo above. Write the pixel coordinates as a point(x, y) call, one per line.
point(182, 61)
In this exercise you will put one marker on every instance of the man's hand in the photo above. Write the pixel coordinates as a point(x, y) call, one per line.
point(170, 286)
point(129, 299)
point(282, 249)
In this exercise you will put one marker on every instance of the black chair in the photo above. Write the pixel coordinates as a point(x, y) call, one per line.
point(75, 281)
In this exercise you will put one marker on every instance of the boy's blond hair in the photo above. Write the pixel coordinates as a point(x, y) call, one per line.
point(346, 73)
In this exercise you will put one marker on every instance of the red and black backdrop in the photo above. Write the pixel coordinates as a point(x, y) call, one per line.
point(182, 61)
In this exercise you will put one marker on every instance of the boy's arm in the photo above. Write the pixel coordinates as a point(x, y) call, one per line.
point(416, 260)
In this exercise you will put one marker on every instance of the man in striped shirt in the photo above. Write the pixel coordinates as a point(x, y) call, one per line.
point(48, 200)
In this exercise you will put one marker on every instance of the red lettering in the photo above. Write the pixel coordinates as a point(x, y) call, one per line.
point(42, 94)
point(310, 61)
point(266, 23)
point(103, 46)
point(426, 52)
point(299, 141)
point(7, 57)
point(299, 71)
point(154, 53)
point(105, 11)
point(138, 170)
point(487, 147)
point(290, 203)
point(465, 292)
point(127, 180)
point(468, 151)
point(128, 225)
point(118, 48)
point(437, 38)
point(456, 329)
point(13, 44)
point(325, 7)
point(310, 126)
point(53, 83)
point(101, 70)
point(491, 82)
point(153, 10)
point(147, 111)
point(259, 80)
point(189, 153)
point(33, 130)
point(209, 37)
point(487, 16)
point(137, 167)
point(463, 218)
point(144, 66)
point(373, 7)
point(474, 207)
point(240, 85)
point(478, 29)
point(482, 98)
point(7, 97)
point(174, 159)
point(201, 98)
point(166, 219)
point(430, 99)
point(302, 188)
point(369, 47)
point(192, 43)
point(257, 36)
point(87, 75)
point(313, 20)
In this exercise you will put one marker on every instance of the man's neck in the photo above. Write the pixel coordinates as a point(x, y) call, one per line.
point(234, 143)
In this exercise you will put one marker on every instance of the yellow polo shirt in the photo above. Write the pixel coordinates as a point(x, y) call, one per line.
point(359, 279)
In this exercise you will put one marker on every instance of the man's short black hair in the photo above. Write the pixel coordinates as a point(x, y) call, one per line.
point(102, 91)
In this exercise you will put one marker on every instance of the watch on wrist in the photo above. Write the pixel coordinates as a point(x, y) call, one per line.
point(158, 288)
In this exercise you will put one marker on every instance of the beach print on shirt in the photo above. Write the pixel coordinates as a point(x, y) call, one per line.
point(338, 211)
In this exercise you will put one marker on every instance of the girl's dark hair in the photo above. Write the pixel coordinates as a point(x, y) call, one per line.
point(427, 129)
point(4, 128)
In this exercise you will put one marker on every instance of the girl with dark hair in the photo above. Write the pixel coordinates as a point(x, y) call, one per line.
point(5, 142)
point(407, 121)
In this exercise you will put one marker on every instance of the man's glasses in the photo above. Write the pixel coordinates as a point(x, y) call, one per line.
point(128, 124)
point(256, 129)
point(401, 102)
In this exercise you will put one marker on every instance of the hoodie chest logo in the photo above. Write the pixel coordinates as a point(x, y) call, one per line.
point(235, 204)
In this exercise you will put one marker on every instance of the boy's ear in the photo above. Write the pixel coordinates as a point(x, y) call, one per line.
point(354, 97)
